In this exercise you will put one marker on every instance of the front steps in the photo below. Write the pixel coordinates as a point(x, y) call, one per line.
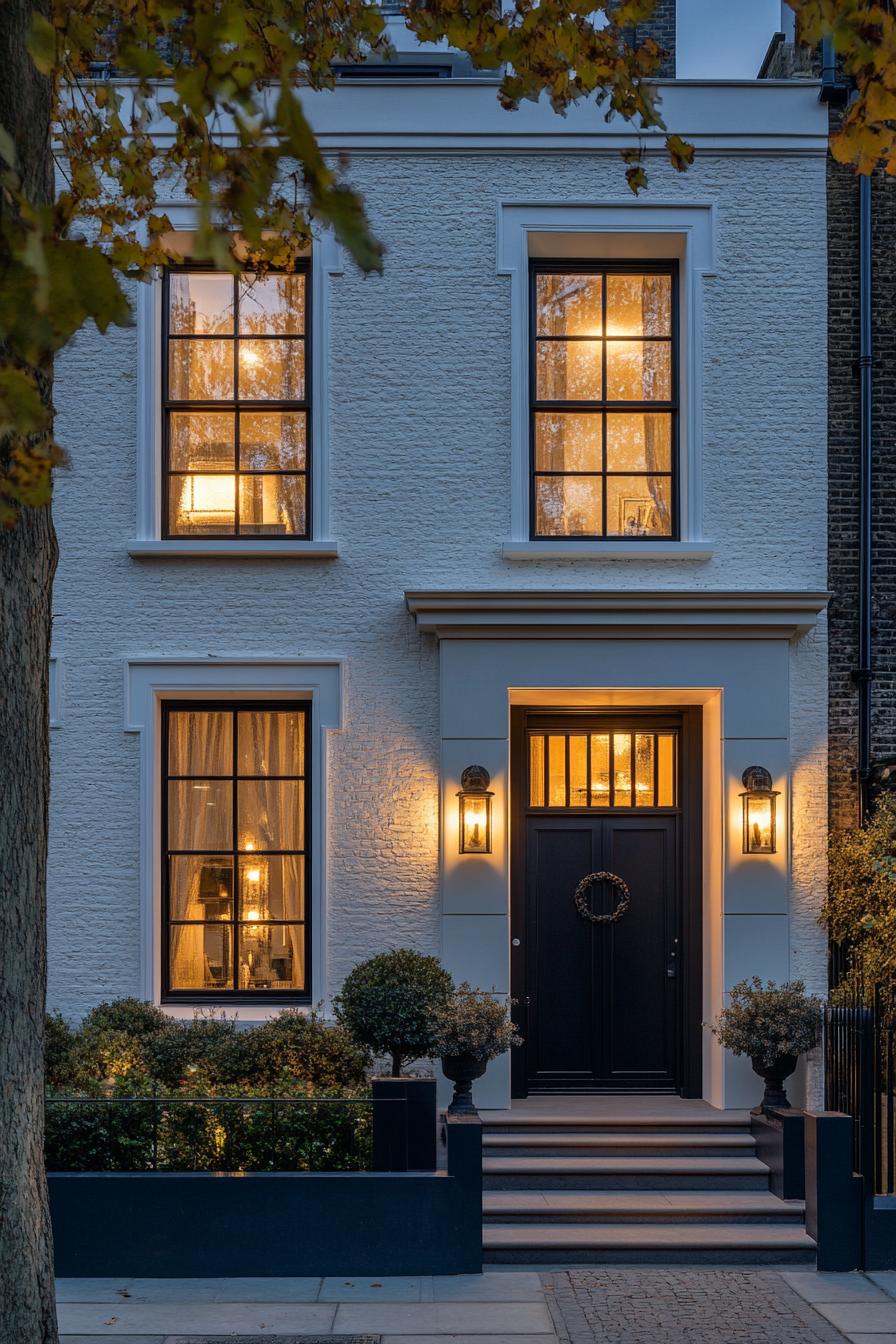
point(617, 1189)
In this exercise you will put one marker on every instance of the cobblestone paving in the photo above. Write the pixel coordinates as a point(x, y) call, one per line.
point(681, 1306)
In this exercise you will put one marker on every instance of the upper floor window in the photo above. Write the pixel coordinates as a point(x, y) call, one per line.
point(236, 448)
point(235, 850)
point(604, 399)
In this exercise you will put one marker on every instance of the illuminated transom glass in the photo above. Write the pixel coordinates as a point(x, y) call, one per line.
point(612, 769)
point(604, 401)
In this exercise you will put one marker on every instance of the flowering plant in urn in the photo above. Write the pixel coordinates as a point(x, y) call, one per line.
point(473, 1028)
point(772, 1024)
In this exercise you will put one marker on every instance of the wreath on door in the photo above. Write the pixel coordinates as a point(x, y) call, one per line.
point(583, 904)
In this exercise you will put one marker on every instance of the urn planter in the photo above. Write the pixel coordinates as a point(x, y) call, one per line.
point(774, 1074)
point(463, 1070)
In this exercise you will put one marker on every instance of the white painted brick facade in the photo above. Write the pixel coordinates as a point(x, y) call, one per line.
point(419, 498)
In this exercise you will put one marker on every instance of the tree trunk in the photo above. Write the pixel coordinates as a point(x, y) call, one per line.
point(27, 563)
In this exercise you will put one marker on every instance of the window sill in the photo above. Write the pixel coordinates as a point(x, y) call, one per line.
point(235, 550)
point(607, 550)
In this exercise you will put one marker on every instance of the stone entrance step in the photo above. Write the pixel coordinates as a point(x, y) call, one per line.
point(639, 1206)
point(703, 1243)
point(624, 1173)
point(616, 1142)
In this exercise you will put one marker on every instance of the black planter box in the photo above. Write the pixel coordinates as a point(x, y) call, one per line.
point(410, 1104)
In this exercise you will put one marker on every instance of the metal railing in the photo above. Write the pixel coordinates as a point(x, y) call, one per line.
point(860, 1079)
point(160, 1133)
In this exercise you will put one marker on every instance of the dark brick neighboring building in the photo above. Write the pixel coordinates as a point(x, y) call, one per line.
point(843, 469)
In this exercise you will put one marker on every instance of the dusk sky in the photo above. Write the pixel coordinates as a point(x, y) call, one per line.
point(724, 39)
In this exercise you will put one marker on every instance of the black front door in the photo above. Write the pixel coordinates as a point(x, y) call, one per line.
point(600, 1002)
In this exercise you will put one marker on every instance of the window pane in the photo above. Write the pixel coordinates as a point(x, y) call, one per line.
point(201, 887)
point(600, 769)
point(639, 442)
point(270, 815)
point(567, 305)
point(270, 742)
point(578, 770)
point(639, 371)
point(272, 440)
point(199, 814)
point(622, 769)
point(639, 305)
point(536, 770)
point(274, 306)
point(272, 956)
point(201, 441)
point(568, 371)
point(644, 747)
point(639, 506)
point(556, 770)
point(272, 506)
point(272, 888)
point(200, 370)
point(567, 506)
point(272, 370)
point(200, 303)
point(567, 441)
point(201, 504)
point(665, 747)
point(201, 956)
point(200, 742)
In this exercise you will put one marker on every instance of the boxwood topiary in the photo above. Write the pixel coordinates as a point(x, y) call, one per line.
point(391, 1004)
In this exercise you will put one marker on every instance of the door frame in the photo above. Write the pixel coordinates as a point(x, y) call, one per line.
point(689, 721)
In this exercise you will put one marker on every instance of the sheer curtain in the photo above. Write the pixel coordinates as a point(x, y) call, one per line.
point(652, 305)
point(199, 743)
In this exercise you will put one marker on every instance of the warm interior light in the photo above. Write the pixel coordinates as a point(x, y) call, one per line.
point(253, 875)
point(249, 357)
point(252, 915)
point(211, 495)
point(249, 845)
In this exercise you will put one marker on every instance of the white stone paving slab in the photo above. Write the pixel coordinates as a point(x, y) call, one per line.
point(407, 1288)
point(196, 1318)
point(865, 1318)
point(443, 1318)
point(884, 1278)
point(822, 1287)
point(188, 1290)
point(489, 1287)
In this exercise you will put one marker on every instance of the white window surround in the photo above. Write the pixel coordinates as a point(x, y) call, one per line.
point(609, 229)
point(150, 681)
point(326, 261)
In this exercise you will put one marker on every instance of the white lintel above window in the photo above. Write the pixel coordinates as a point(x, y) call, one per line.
point(609, 231)
point(149, 541)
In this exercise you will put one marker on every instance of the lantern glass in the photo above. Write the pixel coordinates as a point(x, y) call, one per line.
point(475, 824)
point(759, 823)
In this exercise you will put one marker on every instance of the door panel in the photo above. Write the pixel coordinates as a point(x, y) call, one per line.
point(603, 1006)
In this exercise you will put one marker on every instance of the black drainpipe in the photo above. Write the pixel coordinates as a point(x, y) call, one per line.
point(837, 91)
point(864, 674)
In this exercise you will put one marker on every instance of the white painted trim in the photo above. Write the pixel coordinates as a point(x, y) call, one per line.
point(326, 261)
point(149, 681)
point(606, 550)
point(236, 550)
point(518, 224)
point(638, 614)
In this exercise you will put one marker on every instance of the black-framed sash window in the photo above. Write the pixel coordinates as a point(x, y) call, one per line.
point(604, 400)
point(235, 851)
point(236, 400)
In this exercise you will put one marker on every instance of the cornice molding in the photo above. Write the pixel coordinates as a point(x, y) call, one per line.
point(617, 614)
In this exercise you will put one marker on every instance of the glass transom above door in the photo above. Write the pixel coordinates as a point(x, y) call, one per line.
point(613, 769)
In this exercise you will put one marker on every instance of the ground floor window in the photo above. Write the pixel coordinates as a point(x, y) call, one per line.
point(235, 784)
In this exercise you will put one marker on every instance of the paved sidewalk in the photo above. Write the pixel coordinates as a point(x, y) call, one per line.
point(494, 1308)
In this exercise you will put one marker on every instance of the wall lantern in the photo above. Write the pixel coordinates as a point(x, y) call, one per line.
point(759, 799)
point(475, 800)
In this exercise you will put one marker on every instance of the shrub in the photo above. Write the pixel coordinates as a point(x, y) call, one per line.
point(295, 1045)
point(474, 1022)
point(206, 1051)
point(860, 910)
point(769, 1021)
point(132, 1016)
point(60, 1067)
point(390, 1005)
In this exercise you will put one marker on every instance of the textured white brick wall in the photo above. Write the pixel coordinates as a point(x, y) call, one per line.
point(419, 486)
